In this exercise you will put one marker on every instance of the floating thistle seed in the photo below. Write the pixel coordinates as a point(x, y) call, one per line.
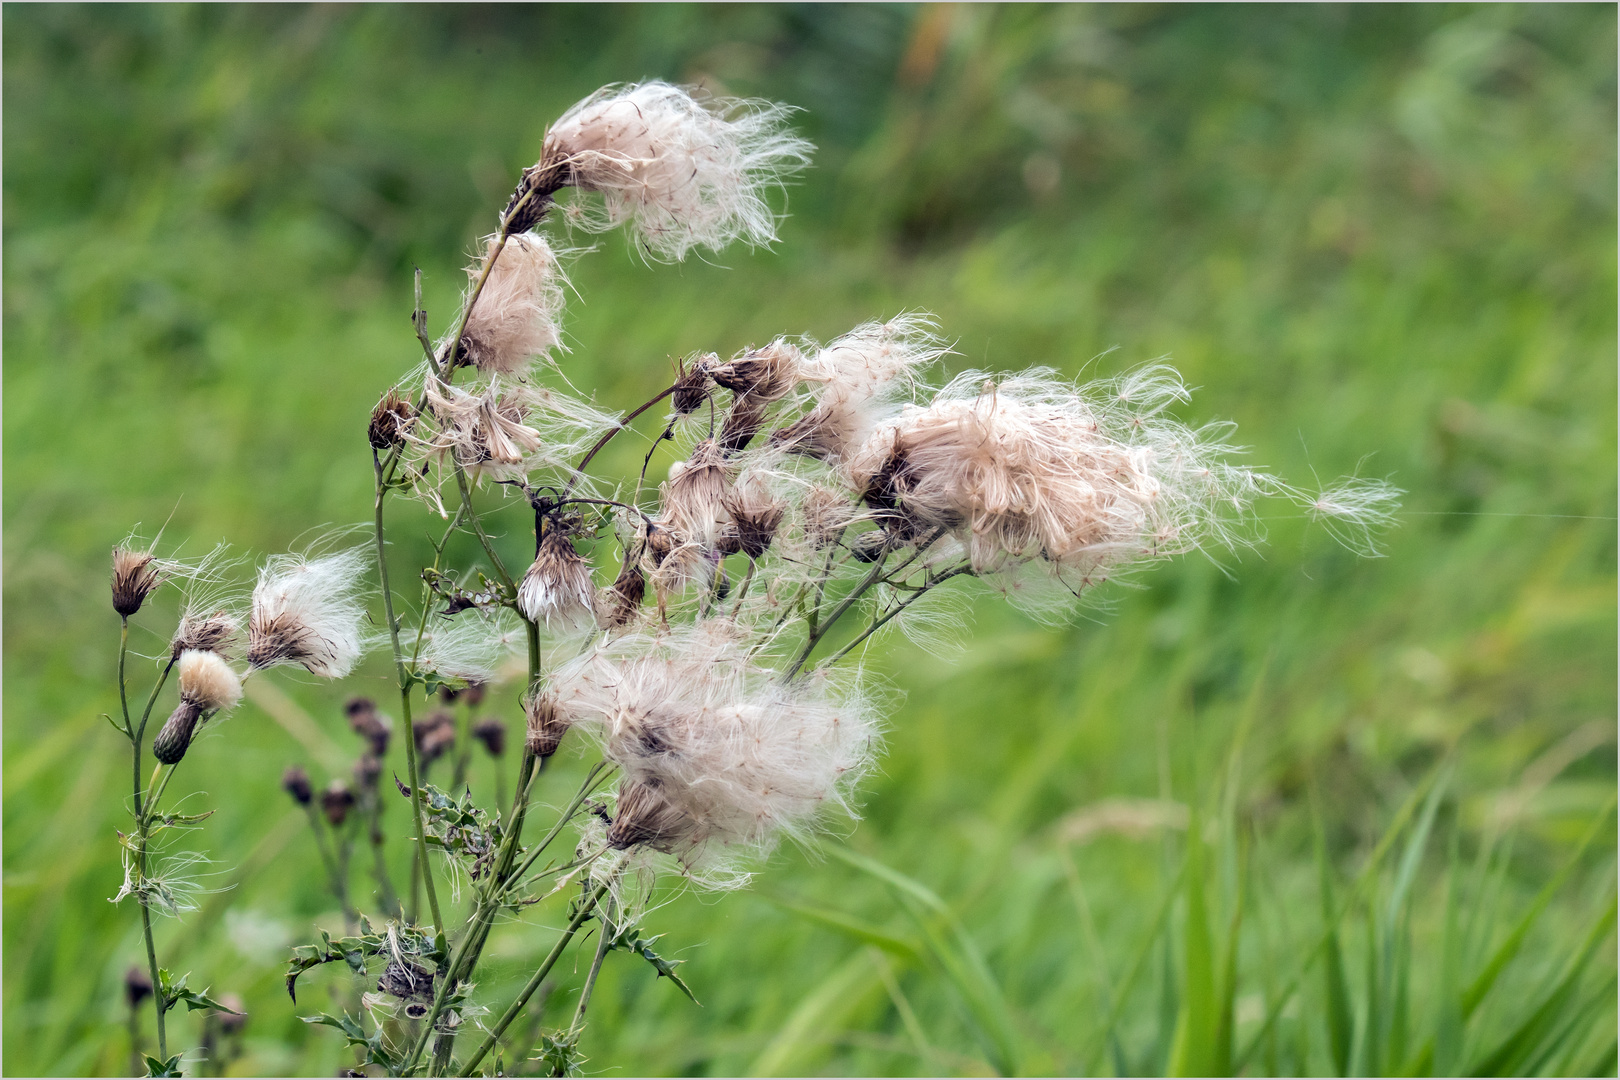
point(545, 725)
point(684, 173)
point(137, 986)
point(492, 733)
point(210, 633)
point(134, 575)
point(366, 722)
point(643, 816)
point(295, 782)
point(691, 386)
point(336, 802)
point(515, 316)
point(309, 612)
point(435, 733)
point(390, 420)
point(207, 685)
point(557, 589)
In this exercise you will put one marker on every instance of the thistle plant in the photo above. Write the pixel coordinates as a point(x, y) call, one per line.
point(700, 634)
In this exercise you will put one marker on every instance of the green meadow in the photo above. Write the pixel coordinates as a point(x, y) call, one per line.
point(1277, 811)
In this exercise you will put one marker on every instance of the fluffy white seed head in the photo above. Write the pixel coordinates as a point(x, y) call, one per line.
point(474, 645)
point(557, 590)
point(515, 318)
point(856, 377)
point(694, 496)
point(207, 681)
point(720, 758)
point(310, 612)
point(684, 173)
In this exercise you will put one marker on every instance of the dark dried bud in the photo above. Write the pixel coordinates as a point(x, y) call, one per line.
point(336, 801)
point(366, 722)
point(743, 422)
point(531, 199)
point(234, 1018)
point(210, 633)
point(435, 733)
point(295, 782)
point(366, 772)
point(644, 816)
point(449, 694)
point(869, 547)
point(134, 575)
point(756, 517)
point(691, 387)
point(628, 591)
point(137, 986)
point(660, 542)
point(174, 740)
point(727, 540)
point(492, 733)
point(764, 374)
point(404, 979)
point(390, 420)
point(814, 435)
point(545, 725)
point(474, 693)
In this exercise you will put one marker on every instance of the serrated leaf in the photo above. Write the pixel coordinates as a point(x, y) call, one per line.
point(154, 1067)
point(631, 940)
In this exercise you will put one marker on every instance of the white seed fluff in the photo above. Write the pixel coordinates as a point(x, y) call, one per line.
point(207, 681)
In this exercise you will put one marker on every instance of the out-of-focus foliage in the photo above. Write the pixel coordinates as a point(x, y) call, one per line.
point(1362, 230)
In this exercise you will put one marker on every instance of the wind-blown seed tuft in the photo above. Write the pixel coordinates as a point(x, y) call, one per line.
point(515, 317)
point(557, 590)
point(310, 612)
point(134, 575)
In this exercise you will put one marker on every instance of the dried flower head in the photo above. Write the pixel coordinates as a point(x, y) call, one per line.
point(755, 513)
point(310, 612)
point(485, 430)
point(207, 685)
point(137, 986)
point(295, 782)
point(692, 385)
point(336, 802)
point(492, 733)
point(371, 725)
point(858, 374)
point(624, 597)
point(544, 724)
point(764, 373)
point(826, 513)
point(694, 494)
point(720, 756)
point(213, 632)
point(434, 733)
point(390, 421)
point(515, 316)
point(134, 575)
point(557, 590)
point(366, 771)
point(684, 173)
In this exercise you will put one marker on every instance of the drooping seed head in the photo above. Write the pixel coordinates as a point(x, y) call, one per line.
point(310, 612)
point(295, 782)
point(515, 316)
point(557, 590)
point(336, 802)
point(756, 515)
point(390, 421)
point(134, 575)
point(545, 724)
point(642, 816)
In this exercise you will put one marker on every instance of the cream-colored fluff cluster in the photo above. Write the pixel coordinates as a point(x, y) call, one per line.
point(719, 757)
point(685, 173)
point(310, 612)
point(207, 681)
point(515, 318)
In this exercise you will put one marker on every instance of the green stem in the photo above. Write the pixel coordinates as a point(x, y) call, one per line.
point(878, 624)
point(158, 1003)
point(605, 939)
point(563, 819)
point(533, 984)
point(123, 692)
point(815, 636)
point(405, 702)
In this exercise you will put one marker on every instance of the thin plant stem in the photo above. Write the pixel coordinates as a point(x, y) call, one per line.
point(405, 702)
point(878, 624)
point(334, 879)
point(585, 789)
point(123, 690)
point(583, 913)
point(142, 829)
point(820, 631)
point(607, 436)
point(604, 942)
point(152, 966)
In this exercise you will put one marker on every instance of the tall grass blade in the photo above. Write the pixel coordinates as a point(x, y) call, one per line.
point(957, 957)
point(1226, 977)
point(1518, 1045)
point(849, 925)
point(825, 1009)
point(1568, 1037)
point(1192, 1049)
point(1336, 988)
point(1448, 1024)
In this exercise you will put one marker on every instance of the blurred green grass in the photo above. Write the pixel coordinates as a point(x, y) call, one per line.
point(1359, 230)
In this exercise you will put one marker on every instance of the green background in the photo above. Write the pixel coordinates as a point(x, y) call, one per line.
point(1374, 236)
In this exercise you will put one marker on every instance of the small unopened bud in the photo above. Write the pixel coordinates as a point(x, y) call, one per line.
point(660, 542)
point(492, 733)
point(545, 727)
point(234, 1017)
point(644, 816)
point(295, 782)
point(390, 420)
point(137, 986)
point(435, 733)
point(134, 575)
point(366, 772)
point(174, 740)
point(473, 695)
point(366, 722)
point(336, 802)
point(691, 387)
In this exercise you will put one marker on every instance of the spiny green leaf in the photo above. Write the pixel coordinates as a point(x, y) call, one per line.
point(155, 1067)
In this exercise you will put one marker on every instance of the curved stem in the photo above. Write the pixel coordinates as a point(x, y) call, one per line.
point(583, 913)
point(878, 624)
point(405, 702)
point(604, 941)
point(607, 436)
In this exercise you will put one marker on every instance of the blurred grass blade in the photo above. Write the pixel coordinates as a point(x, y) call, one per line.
point(824, 1010)
point(1568, 1036)
point(849, 925)
point(1519, 1044)
point(957, 957)
point(1421, 1062)
point(1192, 1050)
point(1336, 988)
point(1226, 976)
point(1448, 1025)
